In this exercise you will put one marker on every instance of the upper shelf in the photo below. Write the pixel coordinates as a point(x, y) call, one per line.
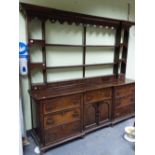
point(42, 43)
point(45, 13)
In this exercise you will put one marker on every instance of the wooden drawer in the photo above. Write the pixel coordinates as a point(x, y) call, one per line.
point(124, 90)
point(61, 117)
point(122, 111)
point(61, 103)
point(123, 101)
point(63, 131)
point(98, 95)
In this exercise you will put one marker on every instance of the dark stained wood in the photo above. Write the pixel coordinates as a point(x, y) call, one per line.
point(94, 107)
point(90, 120)
point(44, 51)
point(77, 66)
point(104, 111)
point(124, 100)
point(70, 17)
point(123, 111)
point(61, 132)
point(97, 95)
point(63, 117)
point(124, 90)
point(63, 45)
point(125, 51)
point(101, 46)
point(117, 50)
point(84, 50)
point(32, 42)
point(61, 103)
point(33, 66)
point(55, 90)
point(65, 110)
point(84, 45)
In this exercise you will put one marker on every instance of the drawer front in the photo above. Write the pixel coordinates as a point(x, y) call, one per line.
point(98, 95)
point(61, 103)
point(61, 117)
point(124, 90)
point(63, 131)
point(120, 112)
point(124, 101)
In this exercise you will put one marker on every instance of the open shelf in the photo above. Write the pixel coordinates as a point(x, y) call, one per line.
point(35, 65)
point(63, 45)
point(77, 66)
point(106, 46)
point(69, 45)
point(113, 51)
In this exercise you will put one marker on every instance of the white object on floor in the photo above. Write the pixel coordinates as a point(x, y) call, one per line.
point(129, 133)
point(130, 139)
point(37, 150)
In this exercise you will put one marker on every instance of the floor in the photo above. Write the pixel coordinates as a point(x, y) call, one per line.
point(106, 141)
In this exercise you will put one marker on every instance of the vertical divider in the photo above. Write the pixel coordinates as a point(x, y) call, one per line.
point(117, 50)
point(125, 50)
point(84, 49)
point(44, 51)
point(28, 20)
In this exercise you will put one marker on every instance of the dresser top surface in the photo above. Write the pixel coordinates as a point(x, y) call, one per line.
point(52, 92)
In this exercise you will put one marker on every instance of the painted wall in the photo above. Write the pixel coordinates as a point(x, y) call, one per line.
point(106, 8)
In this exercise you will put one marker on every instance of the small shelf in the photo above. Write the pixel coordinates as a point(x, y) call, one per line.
point(69, 45)
point(38, 65)
point(77, 66)
point(36, 41)
point(99, 64)
point(106, 46)
point(63, 45)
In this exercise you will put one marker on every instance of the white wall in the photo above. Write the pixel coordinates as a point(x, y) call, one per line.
point(106, 8)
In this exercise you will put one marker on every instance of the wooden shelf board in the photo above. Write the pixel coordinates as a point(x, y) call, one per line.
point(63, 45)
point(69, 45)
point(37, 65)
point(36, 41)
point(77, 66)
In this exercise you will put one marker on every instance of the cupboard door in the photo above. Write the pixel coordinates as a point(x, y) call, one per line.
point(90, 115)
point(104, 111)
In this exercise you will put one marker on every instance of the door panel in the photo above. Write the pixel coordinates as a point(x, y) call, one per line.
point(90, 115)
point(104, 111)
